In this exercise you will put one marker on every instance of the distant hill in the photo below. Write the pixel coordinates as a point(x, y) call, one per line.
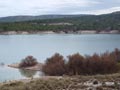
point(61, 22)
point(41, 17)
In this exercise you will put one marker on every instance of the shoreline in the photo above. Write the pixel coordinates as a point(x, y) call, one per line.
point(37, 67)
point(108, 82)
point(60, 32)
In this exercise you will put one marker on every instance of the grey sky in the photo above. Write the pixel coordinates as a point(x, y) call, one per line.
point(41, 7)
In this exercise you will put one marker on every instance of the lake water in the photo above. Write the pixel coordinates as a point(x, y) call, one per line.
point(13, 48)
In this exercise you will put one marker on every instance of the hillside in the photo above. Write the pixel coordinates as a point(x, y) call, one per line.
point(28, 18)
point(64, 23)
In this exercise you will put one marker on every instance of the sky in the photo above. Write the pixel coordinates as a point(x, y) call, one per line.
point(44, 7)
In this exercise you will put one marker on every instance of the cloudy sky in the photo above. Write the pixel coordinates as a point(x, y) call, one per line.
point(41, 7)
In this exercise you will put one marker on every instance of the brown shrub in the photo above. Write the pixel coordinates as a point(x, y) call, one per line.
point(87, 65)
point(54, 65)
point(116, 54)
point(109, 63)
point(75, 64)
point(95, 64)
point(101, 64)
point(28, 61)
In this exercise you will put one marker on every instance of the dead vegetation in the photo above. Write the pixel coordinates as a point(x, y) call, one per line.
point(106, 63)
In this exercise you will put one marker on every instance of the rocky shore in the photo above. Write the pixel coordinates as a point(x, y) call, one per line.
point(94, 82)
point(60, 32)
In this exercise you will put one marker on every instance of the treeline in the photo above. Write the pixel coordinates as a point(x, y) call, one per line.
point(87, 22)
point(29, 26)
point(77, 64)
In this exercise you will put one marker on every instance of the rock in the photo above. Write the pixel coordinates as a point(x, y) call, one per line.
point(91, 88)
point(109, 83)
point(95, 82)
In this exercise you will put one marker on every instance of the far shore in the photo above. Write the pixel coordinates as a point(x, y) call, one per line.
point(60, 32)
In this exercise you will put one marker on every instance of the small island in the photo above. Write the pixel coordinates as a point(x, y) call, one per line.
point(29, 63)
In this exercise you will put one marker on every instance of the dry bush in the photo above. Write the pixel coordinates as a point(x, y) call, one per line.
point(28, 61)
point(109, 63)
point(54, 65)
point(102, 64)
point(95, 64)
point(86, 65)
point(116, 54)
point(75, 64)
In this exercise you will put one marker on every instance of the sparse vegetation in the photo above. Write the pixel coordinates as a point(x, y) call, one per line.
point(96, 82)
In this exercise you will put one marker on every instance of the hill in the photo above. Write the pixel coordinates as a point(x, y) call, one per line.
point(28, 18)
point(64, 23)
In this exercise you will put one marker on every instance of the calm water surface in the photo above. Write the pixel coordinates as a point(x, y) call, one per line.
point(13, 48)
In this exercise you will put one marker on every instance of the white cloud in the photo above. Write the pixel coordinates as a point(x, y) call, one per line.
point(109, 10)
point(33, 7)
point(39, 7)
point(98, 12)
point(45, 3)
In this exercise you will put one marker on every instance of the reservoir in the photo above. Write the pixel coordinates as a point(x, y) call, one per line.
point(13, 48)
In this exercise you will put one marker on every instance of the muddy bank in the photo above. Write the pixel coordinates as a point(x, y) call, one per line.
point(37, 67)
point(26, 32)
point(60, 32)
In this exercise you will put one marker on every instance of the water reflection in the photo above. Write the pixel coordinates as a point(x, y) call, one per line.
point(27, 73)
